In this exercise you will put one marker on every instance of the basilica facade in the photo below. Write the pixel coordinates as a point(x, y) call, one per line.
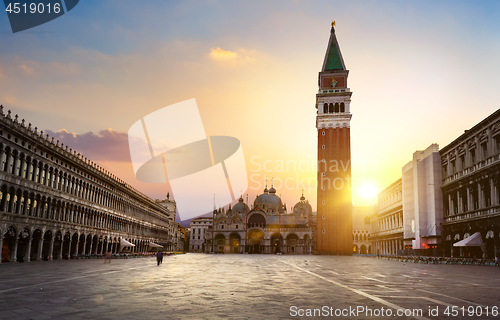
point(266, 227)
point(55, 203)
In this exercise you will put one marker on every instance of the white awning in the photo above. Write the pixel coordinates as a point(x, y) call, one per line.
point(155, 245)
point(473, 241)
point(125, 243)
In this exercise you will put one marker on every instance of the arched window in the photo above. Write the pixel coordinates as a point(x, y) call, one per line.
point(336, 107)
point(342, 107)
point(330, 108)
point(325, 108)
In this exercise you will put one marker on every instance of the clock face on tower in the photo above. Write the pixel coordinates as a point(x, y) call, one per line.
point(333, 83)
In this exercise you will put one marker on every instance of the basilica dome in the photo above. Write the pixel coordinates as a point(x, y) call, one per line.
point(269, 202)
point(302, 207)
point(240, 207)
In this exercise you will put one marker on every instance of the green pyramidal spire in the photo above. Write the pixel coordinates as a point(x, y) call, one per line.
point(333, 57)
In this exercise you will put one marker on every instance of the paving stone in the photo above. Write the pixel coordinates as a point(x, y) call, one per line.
point(199, 286)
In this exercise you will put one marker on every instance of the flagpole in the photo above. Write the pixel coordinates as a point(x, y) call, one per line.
point(246, 226)
point(213, 226)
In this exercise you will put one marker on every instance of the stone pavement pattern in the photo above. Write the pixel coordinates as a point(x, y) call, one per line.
point(200, 286)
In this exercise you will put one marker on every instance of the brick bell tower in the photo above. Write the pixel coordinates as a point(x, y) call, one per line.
point(334, 226)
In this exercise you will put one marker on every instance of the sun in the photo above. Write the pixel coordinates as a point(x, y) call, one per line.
point(368, 190)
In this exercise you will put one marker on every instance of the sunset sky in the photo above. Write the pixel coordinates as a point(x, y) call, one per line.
point(421, 73)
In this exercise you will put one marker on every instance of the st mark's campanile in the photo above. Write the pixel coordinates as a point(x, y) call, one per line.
point(334, 226)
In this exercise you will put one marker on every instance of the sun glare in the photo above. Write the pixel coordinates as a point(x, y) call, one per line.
point(368, 190)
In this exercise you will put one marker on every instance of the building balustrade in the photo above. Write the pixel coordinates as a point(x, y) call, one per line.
point(491, 211)
point(472, 169)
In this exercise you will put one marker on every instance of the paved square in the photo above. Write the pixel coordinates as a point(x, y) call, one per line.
point(200, 286)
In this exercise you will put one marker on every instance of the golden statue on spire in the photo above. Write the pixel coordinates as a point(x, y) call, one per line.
point(333, 23)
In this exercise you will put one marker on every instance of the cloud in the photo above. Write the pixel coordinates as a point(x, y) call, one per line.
point(27, 69)
point(10, 99)
point(107, 145)
point(222, 55)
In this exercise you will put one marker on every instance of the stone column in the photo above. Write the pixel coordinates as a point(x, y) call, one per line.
point(480, 198)
point(450, 204)
point(2, 152)
point(468, 200)
point(29, 170)
point(13, 255)
point(40, 249)
point(51, 247)
point(25, 210)
point(460, 201)
point(493, 200)
point(8, 158)
point(59, 256)
point(21, 164)
point(14, 163)
point(496, 249)
point(18, 206)
point(1, 242)
point(27, 256)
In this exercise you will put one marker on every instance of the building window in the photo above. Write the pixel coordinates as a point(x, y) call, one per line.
point(453, 166)
point(323, 133)
point(323, 147)
point(330, 108)
point(323, 202)
point(497, 143)
point(325, 108)
point(462, 162)
point(323, 231)
point(473, 156)
point(323, 216)
point(484, 148)
point(342, 107)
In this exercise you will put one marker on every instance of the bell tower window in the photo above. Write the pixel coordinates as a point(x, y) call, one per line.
point(342, 107)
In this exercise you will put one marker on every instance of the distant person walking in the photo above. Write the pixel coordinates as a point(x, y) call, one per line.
point(107, 256)
point(159, 257)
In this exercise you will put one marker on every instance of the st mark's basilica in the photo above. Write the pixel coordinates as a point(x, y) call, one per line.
point(267, 227)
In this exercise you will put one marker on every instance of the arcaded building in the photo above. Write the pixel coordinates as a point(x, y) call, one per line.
point(265, 228)
point(362, 229)
point(55, 203)
point(471, 189)
point(387, 227)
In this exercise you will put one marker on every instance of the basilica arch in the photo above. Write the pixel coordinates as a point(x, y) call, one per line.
point(256, 241)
